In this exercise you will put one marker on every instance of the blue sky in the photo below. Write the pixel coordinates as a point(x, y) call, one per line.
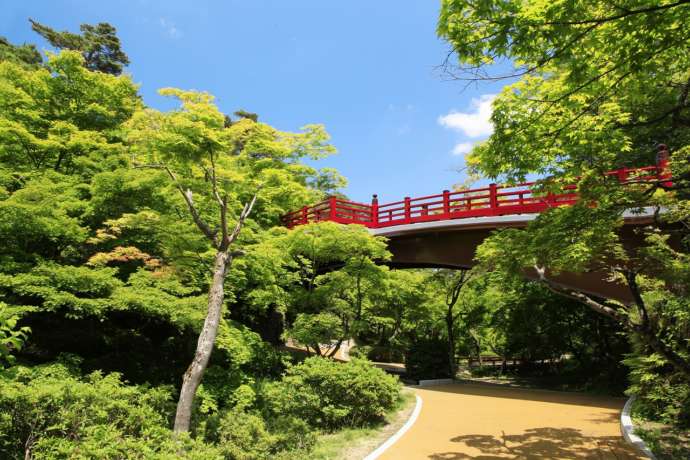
point(365, 69)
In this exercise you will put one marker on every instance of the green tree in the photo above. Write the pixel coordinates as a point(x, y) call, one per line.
point(194, 148)
point(336, 269)
point(25, 54)
point(590, 98)
point(63, 117)
point(451, 284)
point(316, 330)
point(99, 45)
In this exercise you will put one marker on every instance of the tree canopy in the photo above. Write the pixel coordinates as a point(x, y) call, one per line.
point(98, 44)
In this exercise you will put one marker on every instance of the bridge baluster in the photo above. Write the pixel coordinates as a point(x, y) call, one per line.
point(375, 211)
point(333, 208)
point(493, 196)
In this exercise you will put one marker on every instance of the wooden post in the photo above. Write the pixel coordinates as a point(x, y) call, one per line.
point(305, 215)
point(493, 196)
point(622, 175)
point(446, 204)
point(375, 211)
point(332, 208)
point(408, 214)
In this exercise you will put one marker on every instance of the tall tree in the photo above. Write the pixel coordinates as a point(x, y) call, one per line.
point(99, 45)
point(195, 149)
point(590, 98)
point(336, 272)
point(451, 284)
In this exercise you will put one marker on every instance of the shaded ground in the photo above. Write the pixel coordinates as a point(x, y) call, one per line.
point(479, 421)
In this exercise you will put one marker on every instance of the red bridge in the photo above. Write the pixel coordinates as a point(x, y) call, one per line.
point(494, 200)
point(444, 230)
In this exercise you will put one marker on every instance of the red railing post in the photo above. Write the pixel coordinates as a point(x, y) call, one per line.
point(374, 211)
point(332, 208)
point(622, 175)
point(493, 196)
point(408, 214)
point(662, 165)
point(305, 215)
point(446, 204)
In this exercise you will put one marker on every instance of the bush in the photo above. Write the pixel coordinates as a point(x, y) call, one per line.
point(52, 413)
point(661, 393)
point(427, 359)
point(331, 395)
point(246, 436)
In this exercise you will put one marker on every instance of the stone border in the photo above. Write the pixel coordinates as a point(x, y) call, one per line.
point(398, 434)
point(433, 382)
point(628, 430)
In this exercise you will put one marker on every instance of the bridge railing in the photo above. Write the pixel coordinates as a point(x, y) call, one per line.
point(334, 210)
point(492, 200)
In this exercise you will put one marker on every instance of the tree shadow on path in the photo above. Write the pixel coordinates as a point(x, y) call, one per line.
point(539, 443)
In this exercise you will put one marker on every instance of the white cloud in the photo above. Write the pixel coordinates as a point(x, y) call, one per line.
point(462, 148)
point(475, 123)
point(170, 28)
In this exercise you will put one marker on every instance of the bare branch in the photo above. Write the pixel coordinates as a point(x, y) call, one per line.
point(240, 222)
point(599, 307)
point(188, 198)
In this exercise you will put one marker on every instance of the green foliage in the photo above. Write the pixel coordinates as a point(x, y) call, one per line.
point(309, 254)
point(12, 337)
point(99, 45)
point(62, 117)
point(331, 395)
point(590, 96)
point(49, 412)
point(312, 330)
point(661, 395)
point(25, 54)
point(246, 436)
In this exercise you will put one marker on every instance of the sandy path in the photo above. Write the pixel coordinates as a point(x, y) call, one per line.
point(475, 421)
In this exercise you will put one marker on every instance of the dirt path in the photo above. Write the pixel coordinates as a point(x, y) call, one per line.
point(478, 421)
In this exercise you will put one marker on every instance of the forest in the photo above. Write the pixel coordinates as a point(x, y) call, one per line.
point(153, 305)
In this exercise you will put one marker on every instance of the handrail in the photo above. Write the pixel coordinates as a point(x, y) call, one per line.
point(494, 200)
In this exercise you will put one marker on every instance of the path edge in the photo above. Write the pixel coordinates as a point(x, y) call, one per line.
point(628, 430)
point(398, 434)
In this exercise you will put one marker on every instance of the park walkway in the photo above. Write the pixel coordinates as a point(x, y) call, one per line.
point(480, 421)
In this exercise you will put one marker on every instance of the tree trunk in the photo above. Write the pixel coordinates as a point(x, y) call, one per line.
point(207, 337)
point(451, 343)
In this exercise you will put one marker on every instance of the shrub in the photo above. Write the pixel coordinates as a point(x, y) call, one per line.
point(51, 413)
point(246, 436)
point(427, 359)
point(331, 395)
point(662, 394)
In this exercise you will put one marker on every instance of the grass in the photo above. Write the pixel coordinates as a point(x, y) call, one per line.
point(665, 441)
point(354, 443)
